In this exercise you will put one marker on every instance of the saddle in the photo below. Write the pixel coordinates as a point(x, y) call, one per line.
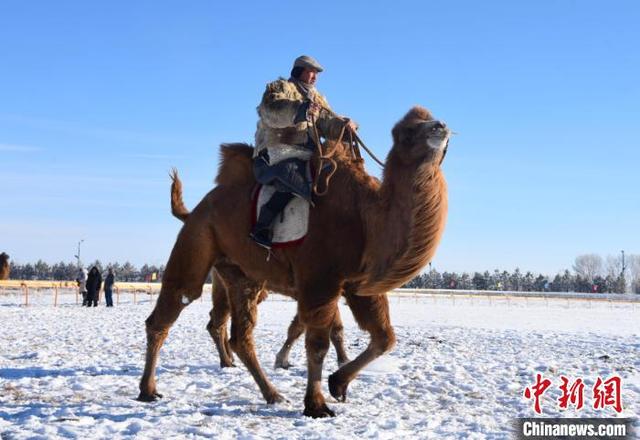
point(291, 225)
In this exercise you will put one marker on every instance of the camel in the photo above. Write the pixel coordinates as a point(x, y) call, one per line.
point(364, 238)
point(221, 312)
point(4, 266)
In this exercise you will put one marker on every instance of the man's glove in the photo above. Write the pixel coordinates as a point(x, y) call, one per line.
point(313, 111)
point(351, 125)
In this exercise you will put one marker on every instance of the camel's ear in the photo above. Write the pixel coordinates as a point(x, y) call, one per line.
point(419, 112)
point(396, 134)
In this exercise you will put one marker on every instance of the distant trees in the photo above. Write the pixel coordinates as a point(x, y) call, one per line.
point(633, 271)
point(69, 271)
point(588, 266)
point(590, 274)
point(516, 281)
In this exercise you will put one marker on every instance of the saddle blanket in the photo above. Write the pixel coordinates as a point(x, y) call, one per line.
point(290, 227)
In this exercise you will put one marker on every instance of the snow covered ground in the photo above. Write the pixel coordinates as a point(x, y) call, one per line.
point(458, 371)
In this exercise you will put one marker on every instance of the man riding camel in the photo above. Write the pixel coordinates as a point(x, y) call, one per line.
point(293, 118)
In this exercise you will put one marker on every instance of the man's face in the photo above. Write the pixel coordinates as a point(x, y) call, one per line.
point(309, 76)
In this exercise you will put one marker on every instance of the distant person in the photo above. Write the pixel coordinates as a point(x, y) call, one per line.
point(94, 282)
point(4, 266)
point(108, 287)
point(82, 284)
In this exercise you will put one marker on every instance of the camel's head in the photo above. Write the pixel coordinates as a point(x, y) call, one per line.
point(419, 138)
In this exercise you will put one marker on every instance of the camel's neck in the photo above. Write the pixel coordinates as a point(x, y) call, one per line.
point(404, 230)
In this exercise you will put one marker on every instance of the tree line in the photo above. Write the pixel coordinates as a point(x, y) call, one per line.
point(69, 271)
point(519, 282)
point(591, 274)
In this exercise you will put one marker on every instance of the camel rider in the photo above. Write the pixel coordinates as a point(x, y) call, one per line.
point(290, 113)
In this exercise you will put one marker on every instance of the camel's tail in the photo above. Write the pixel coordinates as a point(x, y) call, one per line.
point(178, 209)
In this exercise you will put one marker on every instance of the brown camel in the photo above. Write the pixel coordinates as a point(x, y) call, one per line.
point(365, 238)
point(221, 311)
point(5, 268)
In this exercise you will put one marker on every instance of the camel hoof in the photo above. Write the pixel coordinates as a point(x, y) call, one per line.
point(275, 397)
point(149, 397)
point(337, 389)
point(284, 364)
point(319, 412)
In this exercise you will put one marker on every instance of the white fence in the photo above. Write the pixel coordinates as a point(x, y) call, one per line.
point(19, 292)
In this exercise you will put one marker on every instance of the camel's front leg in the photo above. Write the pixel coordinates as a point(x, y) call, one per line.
point(184, 276)
point(317, 344)
point(317, 315)
point(372, 315)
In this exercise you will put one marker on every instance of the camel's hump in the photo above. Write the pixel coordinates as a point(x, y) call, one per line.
point(236, 164)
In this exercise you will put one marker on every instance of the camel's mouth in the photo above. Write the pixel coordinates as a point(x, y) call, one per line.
point(437, 134)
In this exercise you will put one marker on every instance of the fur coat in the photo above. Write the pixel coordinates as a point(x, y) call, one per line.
point(281, 129)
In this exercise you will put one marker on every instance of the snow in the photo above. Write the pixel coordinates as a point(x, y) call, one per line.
point(458, 371)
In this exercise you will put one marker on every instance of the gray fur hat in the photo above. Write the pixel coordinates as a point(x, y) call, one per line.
point(308, 63)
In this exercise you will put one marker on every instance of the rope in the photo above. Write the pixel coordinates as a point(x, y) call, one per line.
point(359, 141)
point(322, 157)
point(354, 143)
point(357, 138)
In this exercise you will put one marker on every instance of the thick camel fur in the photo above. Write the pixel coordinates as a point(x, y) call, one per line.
point(221, 311)
point(365, 237)
point(5, 268)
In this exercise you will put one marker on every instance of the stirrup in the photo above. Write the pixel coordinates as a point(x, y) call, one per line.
point(306, 199)
point(262, 242)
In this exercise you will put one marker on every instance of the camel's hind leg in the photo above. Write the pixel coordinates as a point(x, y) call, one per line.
point(244, 296)
point(296, 329)
point(337, 339)
point(372, 315)
point(217, 326)
point(184, 276)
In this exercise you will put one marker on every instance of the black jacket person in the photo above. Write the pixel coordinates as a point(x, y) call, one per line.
point(94, 282)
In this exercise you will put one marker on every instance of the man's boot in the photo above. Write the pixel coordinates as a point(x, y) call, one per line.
point(261, 232)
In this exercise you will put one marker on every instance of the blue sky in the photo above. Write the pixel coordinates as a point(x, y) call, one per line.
point(98, 100)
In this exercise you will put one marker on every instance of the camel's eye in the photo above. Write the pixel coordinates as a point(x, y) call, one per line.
point(410, 133)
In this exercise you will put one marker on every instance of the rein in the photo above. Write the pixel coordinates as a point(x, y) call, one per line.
point(322, 157)
point(354, 148)
point(373, 156)
point(358, 141)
